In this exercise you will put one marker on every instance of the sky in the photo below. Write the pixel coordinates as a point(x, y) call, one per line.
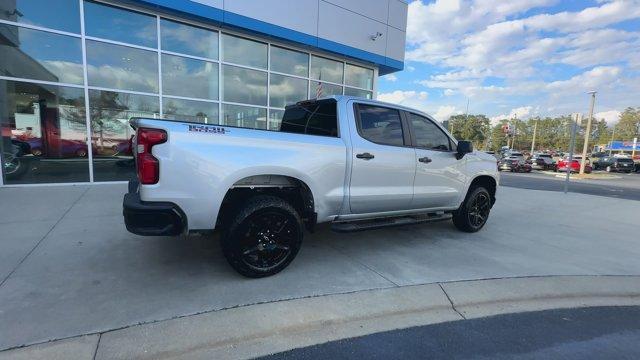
point(519, 58)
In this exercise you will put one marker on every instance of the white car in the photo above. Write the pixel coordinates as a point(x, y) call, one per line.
point(358, 164)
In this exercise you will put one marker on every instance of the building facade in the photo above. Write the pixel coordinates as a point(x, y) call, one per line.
point(72, 72)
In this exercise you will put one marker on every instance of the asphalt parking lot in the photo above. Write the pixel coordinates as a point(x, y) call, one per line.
point(622, 186)
point(68, 267)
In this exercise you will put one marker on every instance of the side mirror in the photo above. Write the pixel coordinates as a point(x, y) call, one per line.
point(464, 147)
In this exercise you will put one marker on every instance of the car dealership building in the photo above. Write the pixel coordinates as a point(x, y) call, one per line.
point(73, 72)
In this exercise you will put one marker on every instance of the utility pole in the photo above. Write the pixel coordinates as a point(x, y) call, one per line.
point(533, 141)
point(613, 135)
point(575, 119)
point(587, 134)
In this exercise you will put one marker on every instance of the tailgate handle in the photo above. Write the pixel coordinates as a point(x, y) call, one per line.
point(365, 156)
point(425, 159)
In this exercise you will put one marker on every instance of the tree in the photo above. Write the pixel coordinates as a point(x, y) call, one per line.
point(629, 125)
point(474, 128)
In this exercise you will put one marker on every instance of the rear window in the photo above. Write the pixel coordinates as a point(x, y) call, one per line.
point(311, 118)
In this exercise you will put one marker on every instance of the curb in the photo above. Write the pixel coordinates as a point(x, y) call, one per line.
point(262, 329)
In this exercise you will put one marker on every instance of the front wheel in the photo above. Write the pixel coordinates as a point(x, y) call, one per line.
point(474, 211)
point(263, 238)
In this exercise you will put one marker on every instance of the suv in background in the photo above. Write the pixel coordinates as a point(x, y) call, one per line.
point(617, 164)
point(542, 162)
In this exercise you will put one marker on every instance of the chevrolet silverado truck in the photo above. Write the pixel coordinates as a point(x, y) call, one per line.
point(355, 163)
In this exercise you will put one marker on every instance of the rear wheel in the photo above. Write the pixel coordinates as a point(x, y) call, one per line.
point(263, 238)
point(474, 211)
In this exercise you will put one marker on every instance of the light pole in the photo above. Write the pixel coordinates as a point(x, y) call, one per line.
point(575, 119)
point(613, 135)
point(587, 133)
point(533, 141)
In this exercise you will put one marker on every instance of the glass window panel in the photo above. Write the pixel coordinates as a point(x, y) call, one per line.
point(380, 125)
point(320, 89)
point(275, 119)
point(428, 135)
point(289, 61)
point(190, 110)
point(44, 134)
point(326, 69)
point(357, 92)
point(109, 22)
point(189, 77)
point(242, 51)
point(187, 39)
point(285, 90)
point(315, 118)
point(111, 134)
point(244, 85)
point(244, 116)
point(40, 55)
point(358, 76)
point(39, 12)
point(122, 67)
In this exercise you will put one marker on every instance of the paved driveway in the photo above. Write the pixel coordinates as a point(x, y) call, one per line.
point(68, 266)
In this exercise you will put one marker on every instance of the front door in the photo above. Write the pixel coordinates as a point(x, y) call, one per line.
point(440, 176)
point(383, 164)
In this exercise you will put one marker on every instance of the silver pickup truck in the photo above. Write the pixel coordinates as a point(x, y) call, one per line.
point(358, 164)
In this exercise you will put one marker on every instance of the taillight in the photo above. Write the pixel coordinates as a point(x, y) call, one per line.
point(148, 165)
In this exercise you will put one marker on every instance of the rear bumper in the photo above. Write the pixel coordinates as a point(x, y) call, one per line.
point(151, 218)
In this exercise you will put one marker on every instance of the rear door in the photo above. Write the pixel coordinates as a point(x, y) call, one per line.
point(383, 164)
point(440, 176)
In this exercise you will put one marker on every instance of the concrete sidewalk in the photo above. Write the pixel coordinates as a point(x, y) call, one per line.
point(68, 267)
point(263, 329)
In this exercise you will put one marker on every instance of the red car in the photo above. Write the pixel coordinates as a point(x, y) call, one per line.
point(563, 165)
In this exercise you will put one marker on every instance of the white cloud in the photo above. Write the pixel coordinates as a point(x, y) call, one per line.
point(401, 97)
point(611, 116)
point(444, 112)
point(390, 77)
point(522, 112)
point(448, 92)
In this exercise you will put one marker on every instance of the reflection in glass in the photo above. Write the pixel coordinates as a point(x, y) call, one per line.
point(112, 23)
point(40, 55)
point(43, 133)
point(326, 69)
point(187, 39)
point(358, 76)
point(275, 119)
point(289, 61)
point(285, 90)
point(242, 51)
point(188, 77)
point(39, 12)
point(244, 85)
point(190, 110)
point(244, 116)
point(357, 92)
point(111, 133)
point(122, 67)
point(320, 89)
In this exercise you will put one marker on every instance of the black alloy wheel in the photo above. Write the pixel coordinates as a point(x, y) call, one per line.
point(263, 238)
point(267, 241)
point(474, 211)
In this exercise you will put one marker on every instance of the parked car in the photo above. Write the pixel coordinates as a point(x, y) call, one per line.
point(542, 162)
point(596, 157)
point(564, 165)
point(616, 164)
point(514, 164)
point(261, 188)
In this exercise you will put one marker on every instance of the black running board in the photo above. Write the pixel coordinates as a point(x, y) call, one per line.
point(378, 223)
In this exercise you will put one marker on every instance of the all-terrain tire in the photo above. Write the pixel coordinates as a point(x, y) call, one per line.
point(259, 218)
point(466, 217)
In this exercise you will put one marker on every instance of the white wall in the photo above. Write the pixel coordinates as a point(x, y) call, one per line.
point(348, 22)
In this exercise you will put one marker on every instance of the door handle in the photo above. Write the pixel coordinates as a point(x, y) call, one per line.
point(365, 156)
point(425, 160)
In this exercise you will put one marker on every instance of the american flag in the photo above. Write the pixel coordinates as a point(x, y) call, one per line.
point(319, 86)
